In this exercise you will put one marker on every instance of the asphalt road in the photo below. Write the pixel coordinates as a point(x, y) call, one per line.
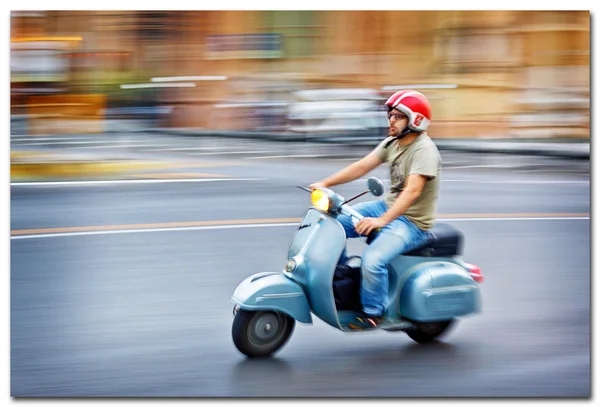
point(110, 311)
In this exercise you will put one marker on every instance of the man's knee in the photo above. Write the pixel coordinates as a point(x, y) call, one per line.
point(372, 262)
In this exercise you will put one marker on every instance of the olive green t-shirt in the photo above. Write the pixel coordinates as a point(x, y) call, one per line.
point(419, 157)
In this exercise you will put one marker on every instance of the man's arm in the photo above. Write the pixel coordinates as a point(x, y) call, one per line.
point(351, 172)
point(414, 186)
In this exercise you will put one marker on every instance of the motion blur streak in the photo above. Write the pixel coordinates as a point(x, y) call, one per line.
point(233, 224)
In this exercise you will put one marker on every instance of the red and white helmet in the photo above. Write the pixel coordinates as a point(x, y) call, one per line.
point(414, 105)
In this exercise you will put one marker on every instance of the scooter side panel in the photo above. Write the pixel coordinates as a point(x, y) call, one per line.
point(273, 291)
point(439, 291)
point(323, 253)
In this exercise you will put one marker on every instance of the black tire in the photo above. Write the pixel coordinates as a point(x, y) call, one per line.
point(259, 334)
point(427, 332)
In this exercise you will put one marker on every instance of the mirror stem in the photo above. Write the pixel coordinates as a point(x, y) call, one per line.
point(352, 199)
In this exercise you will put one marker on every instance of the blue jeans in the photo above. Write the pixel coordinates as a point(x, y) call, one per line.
point(398, 237)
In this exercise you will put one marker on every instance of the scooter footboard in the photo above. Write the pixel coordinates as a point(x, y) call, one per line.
point(273, 291)
point(439, 292)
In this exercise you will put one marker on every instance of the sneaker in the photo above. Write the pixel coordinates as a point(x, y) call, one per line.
point(364, 321)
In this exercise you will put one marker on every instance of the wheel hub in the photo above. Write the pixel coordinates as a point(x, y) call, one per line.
point(266, 327)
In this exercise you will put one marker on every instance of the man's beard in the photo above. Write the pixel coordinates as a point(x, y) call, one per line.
point(394, 132)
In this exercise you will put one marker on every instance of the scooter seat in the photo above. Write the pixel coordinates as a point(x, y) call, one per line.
point(445, 241)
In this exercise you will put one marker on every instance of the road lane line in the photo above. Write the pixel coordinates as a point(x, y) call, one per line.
point(136, 181)
point(516, 218)
point(499, 181)
point(520, 181)
point(195, 148)
point(37, 138)
point(265, 157)
point(127, 181)
point(457, 216)
point(247, 223)
point(460, 167)
point(236, 152)
point(119, 144)
point(178, 229)
point(156, 225)
point(180, 175)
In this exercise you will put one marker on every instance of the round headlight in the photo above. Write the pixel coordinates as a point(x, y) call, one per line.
point(290, 266)
point(320, 200)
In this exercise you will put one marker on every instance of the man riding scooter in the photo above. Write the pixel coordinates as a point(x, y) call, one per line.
point(406, 214)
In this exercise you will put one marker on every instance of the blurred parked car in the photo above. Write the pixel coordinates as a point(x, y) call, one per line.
point(337, 110)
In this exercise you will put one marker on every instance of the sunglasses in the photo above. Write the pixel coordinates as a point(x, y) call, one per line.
point(396, 116)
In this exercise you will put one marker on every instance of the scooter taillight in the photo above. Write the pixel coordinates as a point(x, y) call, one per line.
point(475, 272)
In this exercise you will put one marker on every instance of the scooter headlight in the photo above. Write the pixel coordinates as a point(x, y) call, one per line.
point(320, 200)
point(290, 266)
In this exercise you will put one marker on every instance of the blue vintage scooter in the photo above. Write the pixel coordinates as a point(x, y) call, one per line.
point(428, 287)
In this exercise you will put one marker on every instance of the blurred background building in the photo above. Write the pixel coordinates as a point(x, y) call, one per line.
point(487, 73)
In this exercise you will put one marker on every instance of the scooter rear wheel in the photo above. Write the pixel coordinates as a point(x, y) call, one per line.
point(427, 332)
point(261, 333)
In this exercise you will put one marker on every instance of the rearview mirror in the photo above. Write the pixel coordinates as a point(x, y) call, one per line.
point(375, 186)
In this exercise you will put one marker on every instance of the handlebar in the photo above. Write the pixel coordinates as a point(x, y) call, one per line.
point(350, 211)
point(344, 208)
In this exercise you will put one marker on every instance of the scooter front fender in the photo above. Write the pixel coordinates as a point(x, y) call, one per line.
point(273, 291)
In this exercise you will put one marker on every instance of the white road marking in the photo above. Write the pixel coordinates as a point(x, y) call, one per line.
point(158, 85)
point(121, 144)
point(237, 152)
point(520, 181)
point(563, 170)
point(85, 144)
point(176, 229)
point(188, 78)
point(260, 225)
point(475, 181)
point(49, 143)
point(460, 167)
point(266, 157)
point(176, 180)
point(127, 181)
point(35, 138)
point(516, 218)
point(194, 148)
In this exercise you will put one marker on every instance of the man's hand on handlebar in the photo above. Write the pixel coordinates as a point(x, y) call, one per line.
point(366, 225)
point(317, 185)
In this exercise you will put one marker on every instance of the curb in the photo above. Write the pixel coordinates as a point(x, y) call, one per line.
point(548, 148)
point(540, 150)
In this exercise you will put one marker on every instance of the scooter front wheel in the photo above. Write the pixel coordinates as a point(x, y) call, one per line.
point(261, 333)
